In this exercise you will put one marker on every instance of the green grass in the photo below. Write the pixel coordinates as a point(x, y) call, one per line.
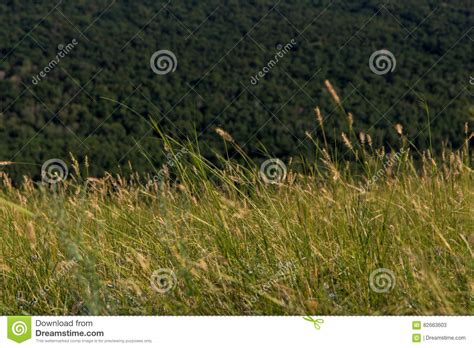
point(240, 246)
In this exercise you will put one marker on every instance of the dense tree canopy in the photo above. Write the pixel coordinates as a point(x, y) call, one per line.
point(219, 47)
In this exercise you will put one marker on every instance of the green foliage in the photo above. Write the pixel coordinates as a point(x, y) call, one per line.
point(231, 41)
point(235, 245)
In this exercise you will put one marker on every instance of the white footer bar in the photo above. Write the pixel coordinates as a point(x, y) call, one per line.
point(312, 331)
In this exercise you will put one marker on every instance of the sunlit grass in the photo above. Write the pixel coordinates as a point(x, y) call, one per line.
point(237, 244)
point(240, 246)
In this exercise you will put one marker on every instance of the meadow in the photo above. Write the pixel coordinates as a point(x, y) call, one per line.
point(386, 232)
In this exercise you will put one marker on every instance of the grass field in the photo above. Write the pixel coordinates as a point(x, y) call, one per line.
point(380, 234)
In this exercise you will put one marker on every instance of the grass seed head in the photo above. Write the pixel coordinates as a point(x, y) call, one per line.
point(224, 135)
point(346, 141)
point(399, 129)
point(332, 92)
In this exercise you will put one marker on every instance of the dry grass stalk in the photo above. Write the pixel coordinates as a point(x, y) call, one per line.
point(346, 141)
point(350, 119)
point(224, 135)
point(369, 140)
point(332, 92)
point(399, 128)
point(319, 117)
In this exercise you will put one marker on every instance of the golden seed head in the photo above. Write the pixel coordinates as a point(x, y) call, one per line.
point(332, 91)
point(369, 140)
point(30, 233)
point(350, 118)
point(224, 135)
point(319, 117)
point(362, 137)
point(346, 140)
point(399, 128)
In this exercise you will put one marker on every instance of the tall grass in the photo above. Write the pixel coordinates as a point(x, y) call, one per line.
point(238, 245)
